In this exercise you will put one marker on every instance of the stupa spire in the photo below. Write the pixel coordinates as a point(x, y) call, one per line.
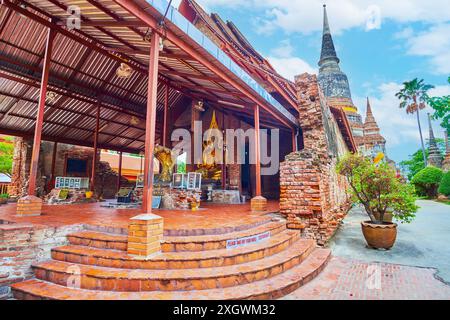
point(328, 56)
point(434, 156)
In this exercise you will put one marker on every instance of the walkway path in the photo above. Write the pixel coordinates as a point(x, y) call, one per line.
point(412, 269)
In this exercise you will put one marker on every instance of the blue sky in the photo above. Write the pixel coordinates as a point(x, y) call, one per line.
point(381, 43)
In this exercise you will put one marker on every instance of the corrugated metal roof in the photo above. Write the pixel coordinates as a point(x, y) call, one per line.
point(82, 77)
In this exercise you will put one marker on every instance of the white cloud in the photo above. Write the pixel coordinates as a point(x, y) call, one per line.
point(399, 129)
point(283, 60)
point(305, 16)
point(435, 44)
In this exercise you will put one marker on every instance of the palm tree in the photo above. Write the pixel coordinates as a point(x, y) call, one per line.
point(413, 96)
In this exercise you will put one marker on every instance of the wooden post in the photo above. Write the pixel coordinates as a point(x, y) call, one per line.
point(150, 123)
point(40, 114)
point(120, 171)
point(94, 158)
point(166, 109)
point(258, 203)
point(52, 177)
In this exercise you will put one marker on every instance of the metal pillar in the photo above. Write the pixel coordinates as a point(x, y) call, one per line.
point(166, 110)
point(150, 123)
point(95, 156)
point(40, 113)
point(257, 154)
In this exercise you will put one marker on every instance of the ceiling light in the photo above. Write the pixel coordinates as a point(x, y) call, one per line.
point(50, 96)
point(123, 71)
point(199, 106)
point(134, 120)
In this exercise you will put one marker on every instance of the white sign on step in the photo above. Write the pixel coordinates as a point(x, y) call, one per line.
point(240, 242)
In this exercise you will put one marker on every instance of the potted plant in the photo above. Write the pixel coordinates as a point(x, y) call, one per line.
point(4, 198)
point(379, 191)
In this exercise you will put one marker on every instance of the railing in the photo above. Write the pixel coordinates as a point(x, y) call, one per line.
point(4, 188)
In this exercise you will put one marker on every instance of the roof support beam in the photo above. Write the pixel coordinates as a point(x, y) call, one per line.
point(138, 12)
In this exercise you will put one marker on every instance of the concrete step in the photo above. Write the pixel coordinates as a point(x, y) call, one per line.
point(215, 242)
point(115, 279)
point(177, 260)
point(255, 222)
point(270, 288)
point(105, 240)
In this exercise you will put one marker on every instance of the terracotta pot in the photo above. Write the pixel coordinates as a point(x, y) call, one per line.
point(387, 216)
point(3, 201)
point(379, 236)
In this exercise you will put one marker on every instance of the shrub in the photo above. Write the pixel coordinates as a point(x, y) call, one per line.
point(426, 181)
point(377, 188)
point(444, 187)
point(4, 195)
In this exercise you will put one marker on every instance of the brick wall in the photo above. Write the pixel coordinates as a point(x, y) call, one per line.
point(24, 244)
point(312, 196)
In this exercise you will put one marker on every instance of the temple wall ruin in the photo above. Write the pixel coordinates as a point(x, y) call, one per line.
point(312, 195)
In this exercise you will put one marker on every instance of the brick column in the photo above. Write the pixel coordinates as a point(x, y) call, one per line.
point(29, 206)
point(145, 233)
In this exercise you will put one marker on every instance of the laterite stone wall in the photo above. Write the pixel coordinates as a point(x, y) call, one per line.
point(312, 195)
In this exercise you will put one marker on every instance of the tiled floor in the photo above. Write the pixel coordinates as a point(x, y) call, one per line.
point(210, 216)
point(350, 279)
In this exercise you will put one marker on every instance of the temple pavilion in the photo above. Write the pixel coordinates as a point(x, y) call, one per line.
point(125, 76)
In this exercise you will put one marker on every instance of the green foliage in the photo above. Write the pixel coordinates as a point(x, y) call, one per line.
point(377, 188)
point(415, 162)
point(441, 106)
point(426, 181)
point(6, 156)
point(413, 95)
point(444, 186)
point(4, 195)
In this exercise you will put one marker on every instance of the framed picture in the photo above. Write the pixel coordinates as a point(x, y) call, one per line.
point(194, 181)
point(156, 202)
point(178, 180)
point(140, 181)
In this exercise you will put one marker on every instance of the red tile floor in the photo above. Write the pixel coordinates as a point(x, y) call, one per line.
point(215, 217)
point(348, 279)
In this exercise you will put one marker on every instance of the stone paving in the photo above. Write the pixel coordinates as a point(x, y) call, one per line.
point(417, 267)
point(348, 279)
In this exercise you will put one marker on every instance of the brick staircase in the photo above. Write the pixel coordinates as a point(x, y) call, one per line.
point(95, 265)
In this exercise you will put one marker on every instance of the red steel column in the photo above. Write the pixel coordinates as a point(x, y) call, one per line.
point(166, 110)
point(294, 141)
point(120, 171)
point(257, 154)
point(94, 158)
point(40, 113)
point(150, 123)
point(52, 177)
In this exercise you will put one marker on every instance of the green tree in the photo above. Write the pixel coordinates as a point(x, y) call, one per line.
point(415, 162)
point(6, 155)
point(441, 106)
point(427, 181)
point(377, 188)
point(413, 96)
point(444, 187)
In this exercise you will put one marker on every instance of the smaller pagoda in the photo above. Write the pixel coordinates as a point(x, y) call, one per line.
point(435, 155)
point(446, 162)
point(374, 142)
